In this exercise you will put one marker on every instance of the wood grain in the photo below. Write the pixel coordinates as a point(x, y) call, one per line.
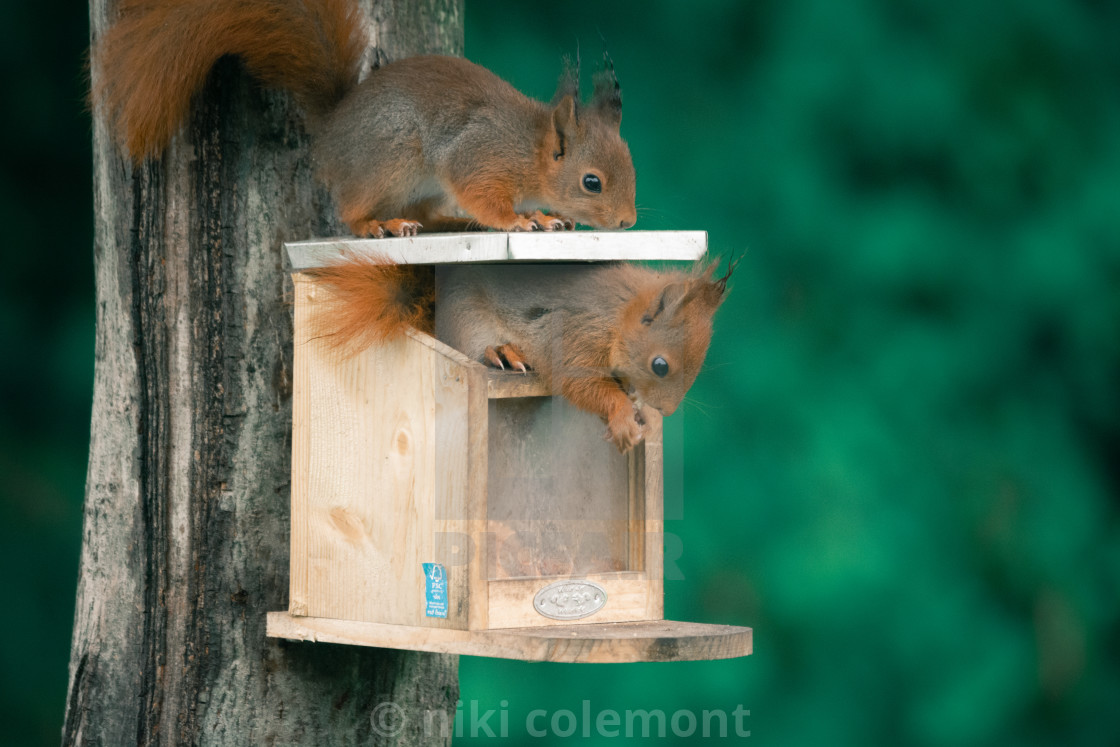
point(382, 477)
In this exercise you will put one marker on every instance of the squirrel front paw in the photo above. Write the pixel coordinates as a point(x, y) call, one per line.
point(538, 221)
point(624, 429)
point(379, 229)
point(553, 222)
point(525, 223)
point(402, 227)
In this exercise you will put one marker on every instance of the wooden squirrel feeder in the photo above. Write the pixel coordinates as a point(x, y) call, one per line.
point(441, 505)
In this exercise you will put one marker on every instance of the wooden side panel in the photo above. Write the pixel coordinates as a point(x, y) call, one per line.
point(653, 516)
point(637, 495)
point(301, 450)
point(474, 522)
point(381, 479)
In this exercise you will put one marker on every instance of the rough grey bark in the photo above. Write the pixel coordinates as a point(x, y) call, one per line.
point(185, 543)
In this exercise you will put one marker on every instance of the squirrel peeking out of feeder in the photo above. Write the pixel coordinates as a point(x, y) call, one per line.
point(610, 338)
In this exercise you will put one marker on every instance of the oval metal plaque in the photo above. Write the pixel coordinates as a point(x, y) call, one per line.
point(570, 600)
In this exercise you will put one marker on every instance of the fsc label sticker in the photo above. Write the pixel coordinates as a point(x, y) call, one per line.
point(435, 590)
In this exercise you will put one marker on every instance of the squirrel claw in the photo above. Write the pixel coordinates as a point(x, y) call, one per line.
point(402, 227)
point(552, 222)
point(529, 223)
point(369, 230)
point(508, 353)
point(378, 229)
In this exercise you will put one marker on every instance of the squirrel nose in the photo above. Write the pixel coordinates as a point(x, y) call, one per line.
point(625, 223)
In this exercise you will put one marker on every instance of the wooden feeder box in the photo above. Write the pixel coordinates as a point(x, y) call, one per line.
point(441, 505)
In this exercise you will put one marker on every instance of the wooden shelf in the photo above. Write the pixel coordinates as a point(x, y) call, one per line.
point(661, 640)
point(506, 384)
point(537, 246)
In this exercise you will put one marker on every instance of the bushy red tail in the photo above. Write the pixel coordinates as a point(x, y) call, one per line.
point(156, 57)
point(369, 300)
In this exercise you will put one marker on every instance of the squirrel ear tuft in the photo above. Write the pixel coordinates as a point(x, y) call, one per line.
point(606, 97)
point(721, 284)
point(569, 81)
point(710, 292)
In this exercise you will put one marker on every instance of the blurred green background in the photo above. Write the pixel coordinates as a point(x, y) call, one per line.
point(901, 465)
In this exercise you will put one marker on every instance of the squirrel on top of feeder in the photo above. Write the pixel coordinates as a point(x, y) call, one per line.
point(421, 142)
point(610, 338)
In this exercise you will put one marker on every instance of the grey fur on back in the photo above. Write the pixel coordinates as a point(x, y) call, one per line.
point(414, 123)
point(531, 305)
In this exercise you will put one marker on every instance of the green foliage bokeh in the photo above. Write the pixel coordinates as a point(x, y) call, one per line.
point(901, 465)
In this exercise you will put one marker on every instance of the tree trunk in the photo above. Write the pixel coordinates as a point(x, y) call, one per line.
point(185, 545)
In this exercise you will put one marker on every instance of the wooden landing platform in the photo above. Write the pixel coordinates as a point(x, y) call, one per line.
point(662, 640)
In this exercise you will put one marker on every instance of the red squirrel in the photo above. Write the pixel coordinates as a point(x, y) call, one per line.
point(433, 142)
point(610, 338)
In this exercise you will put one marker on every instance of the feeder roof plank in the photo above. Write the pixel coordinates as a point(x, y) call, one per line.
point(457, 248)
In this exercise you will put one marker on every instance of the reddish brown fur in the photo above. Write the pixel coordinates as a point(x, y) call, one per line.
point(619, 343)
point(157, 56)
point(369, 300)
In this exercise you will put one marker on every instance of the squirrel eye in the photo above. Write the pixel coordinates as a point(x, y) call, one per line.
point(592, 183)
point(660, 366)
